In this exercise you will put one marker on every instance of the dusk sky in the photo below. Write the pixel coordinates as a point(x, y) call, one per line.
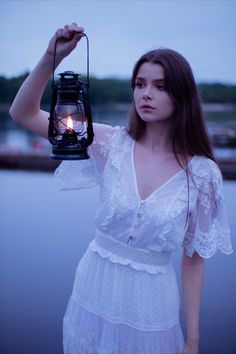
point(120, 31)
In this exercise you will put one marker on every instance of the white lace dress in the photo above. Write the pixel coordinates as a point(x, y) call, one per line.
point(125, 298)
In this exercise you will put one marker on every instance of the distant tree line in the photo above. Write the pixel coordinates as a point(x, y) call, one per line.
point(116, 90)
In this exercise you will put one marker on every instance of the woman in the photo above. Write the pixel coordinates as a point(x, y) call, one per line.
point(160, 189)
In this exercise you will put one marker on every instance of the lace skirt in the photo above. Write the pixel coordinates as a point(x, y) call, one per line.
point(124, 301)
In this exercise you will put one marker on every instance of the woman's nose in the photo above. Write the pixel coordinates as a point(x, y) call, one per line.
point(147, 94)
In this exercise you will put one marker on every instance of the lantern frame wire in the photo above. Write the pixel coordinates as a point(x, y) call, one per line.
point(87, 60)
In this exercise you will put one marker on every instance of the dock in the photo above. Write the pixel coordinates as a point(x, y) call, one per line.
point(39, 161)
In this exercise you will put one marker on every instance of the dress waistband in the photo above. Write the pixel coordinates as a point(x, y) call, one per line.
point(137, 255)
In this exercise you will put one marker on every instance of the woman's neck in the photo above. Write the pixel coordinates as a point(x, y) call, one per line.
point(157, 137)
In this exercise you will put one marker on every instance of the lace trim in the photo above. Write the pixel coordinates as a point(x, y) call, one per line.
point(189, 252)
point(71, 175)
point(204, 249)
point(113, 258)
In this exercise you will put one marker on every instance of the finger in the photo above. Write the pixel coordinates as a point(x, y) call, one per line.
point(74, 27)
point(76, 38)
point(67, 32)
point(59, 33)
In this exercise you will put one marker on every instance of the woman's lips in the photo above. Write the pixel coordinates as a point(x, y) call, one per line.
point(147, 108)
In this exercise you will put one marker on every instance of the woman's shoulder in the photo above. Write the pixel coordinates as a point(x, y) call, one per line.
point(204, 164)
point(205, 170)
point(106, 131)
point(108, 137)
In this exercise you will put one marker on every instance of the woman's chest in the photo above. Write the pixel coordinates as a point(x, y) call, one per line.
point(157, 222)
point(122, 201)
point(150, 169)
point(151, 173)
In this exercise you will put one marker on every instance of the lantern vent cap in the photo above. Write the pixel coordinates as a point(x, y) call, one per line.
point(69, 74)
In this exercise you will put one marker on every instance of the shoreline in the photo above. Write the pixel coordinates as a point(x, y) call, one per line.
point(39, 161)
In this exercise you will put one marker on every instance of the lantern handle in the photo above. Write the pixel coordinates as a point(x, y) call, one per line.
point(54, 59)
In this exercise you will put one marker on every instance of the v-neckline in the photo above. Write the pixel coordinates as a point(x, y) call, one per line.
point(156, 189)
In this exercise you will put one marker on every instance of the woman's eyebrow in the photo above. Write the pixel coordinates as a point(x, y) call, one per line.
point(161, 80)
point(139, 78)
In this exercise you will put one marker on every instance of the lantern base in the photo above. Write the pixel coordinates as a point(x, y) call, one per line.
point(69, 154)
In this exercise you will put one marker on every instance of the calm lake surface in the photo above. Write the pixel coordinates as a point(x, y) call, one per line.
point(44, 233)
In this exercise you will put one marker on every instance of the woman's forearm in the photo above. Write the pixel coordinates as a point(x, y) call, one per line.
point(192, 282)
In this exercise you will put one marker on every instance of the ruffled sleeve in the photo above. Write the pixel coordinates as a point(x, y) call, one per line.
point(208, 227)
point(87, 173)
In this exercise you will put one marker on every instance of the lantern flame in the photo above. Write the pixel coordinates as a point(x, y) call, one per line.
point(69, 123)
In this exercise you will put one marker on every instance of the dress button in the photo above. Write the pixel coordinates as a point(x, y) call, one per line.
point(139, 215)
point(131, 237)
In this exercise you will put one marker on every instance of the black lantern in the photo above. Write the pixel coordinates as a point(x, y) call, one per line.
point(70, 123)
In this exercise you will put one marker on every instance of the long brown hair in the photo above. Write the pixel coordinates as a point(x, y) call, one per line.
point(189, 133)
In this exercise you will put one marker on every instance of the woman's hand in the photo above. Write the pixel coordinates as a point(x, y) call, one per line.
point(190, 348)
point(67, 39)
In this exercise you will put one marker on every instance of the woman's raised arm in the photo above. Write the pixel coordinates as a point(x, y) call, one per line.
point(25, 108)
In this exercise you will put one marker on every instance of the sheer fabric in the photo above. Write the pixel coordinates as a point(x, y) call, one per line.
point(208, 225)
point(122, 291)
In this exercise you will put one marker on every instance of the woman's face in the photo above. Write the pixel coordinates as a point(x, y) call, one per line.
point(153, 103)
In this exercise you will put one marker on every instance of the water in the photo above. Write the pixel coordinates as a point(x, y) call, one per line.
point(15, 138)
point(44, 233)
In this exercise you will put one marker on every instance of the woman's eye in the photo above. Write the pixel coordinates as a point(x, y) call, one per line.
point(161, 87)
point(139, 84)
